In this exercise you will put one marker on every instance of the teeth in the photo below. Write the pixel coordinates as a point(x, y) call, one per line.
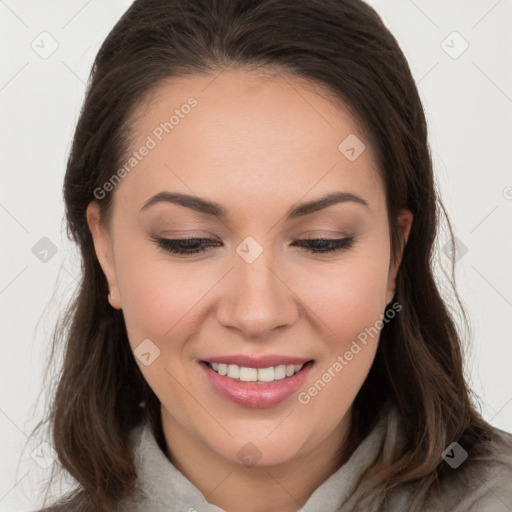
point(245, 374)
point(233, 371)
point(267, 374)
point(248, 374)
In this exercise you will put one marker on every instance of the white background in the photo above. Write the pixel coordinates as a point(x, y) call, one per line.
point(468, 103)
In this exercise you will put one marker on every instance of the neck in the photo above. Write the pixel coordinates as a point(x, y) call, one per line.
point(283, 487)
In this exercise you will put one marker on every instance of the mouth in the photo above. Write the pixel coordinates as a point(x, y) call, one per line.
point(256, 387)
point(259, 375)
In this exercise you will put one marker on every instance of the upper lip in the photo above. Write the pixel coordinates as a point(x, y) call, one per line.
point(257, 362)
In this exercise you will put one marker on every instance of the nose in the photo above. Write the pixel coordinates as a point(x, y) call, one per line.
point(256, 299)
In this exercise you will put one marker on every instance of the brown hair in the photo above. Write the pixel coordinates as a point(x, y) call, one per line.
point(341, 44)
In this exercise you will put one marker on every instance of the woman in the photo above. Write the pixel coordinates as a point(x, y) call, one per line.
point(258, 327)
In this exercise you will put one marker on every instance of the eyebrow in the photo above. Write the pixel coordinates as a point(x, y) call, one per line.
point(216, 210)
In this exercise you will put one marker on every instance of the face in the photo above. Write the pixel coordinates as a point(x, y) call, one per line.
point(260, 286)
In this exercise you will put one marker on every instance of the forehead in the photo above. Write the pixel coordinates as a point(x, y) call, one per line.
point(249, 136)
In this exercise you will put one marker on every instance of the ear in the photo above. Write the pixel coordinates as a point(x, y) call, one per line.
point(405, 218)
point(103, 247)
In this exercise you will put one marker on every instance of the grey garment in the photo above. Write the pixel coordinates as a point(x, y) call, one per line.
point(165, 488)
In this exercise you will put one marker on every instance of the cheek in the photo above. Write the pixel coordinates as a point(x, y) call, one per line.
point(329, 395)
point(347, 299)
point(349, 304)
point(161, 299)
point(350, 319)
point(158, 298)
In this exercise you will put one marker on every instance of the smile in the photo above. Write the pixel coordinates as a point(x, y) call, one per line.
point(256, 387)
point(247, 374)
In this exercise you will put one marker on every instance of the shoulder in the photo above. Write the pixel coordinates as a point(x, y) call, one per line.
point(76, 501)
point(482, 483)
point(472, 484)
point(493, 486)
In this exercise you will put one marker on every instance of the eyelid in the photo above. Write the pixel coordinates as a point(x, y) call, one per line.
point(335, 245)
point(320, 233)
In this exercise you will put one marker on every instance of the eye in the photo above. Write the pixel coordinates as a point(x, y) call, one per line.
point(185, 245)
point(324, 245)
point(199, 245)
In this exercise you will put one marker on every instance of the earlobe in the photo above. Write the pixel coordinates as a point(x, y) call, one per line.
point(103, 249)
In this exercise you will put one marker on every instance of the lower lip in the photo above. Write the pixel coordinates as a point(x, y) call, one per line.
point(254, 394)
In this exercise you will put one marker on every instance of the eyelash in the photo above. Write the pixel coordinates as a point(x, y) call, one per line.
point(172, 245)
